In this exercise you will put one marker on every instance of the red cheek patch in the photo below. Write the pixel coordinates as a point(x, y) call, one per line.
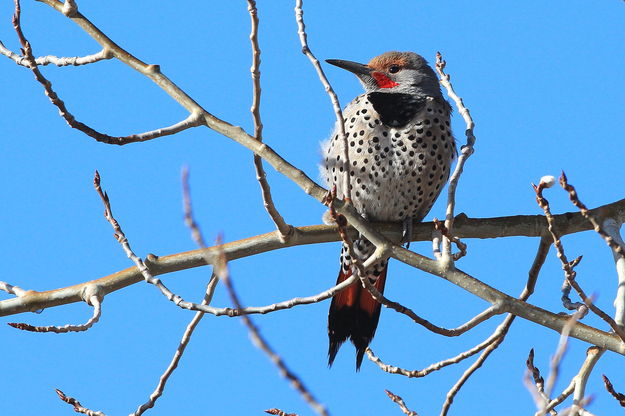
point(383, 81)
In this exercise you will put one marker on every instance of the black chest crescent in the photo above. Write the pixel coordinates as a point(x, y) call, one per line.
point(396, 109)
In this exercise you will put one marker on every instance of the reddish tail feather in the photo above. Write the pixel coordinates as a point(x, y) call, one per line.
point(354, 314)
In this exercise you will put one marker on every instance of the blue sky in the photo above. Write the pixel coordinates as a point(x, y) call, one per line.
point(543, 80)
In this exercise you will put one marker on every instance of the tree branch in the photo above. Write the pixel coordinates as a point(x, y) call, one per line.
point(340, 123)
point(465, 152)
point(285, 229)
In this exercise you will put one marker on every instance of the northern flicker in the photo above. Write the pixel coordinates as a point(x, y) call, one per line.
point(400, 150)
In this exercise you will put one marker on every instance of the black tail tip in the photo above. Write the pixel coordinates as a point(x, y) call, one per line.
point(332, 351)
point(360, 353)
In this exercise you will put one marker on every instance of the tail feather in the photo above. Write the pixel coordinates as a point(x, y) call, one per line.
point(354, 314)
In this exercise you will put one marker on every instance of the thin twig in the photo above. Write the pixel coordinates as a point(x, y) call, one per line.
point(436, 366)
point(581, 379)
point(123, 241)
point(93, 300)
point(561, 398)
point(193, 120)
point(78, 408)
point(400, 402)
point(465, 152)
point(284, 229)
point(538, 388)
point(340, 122)
point(577, 386)
point(462, 247)
point(608, 229)
point(620, 397)
point(12, 290)
point(567, 265)
point(574, 197)
point(556, 360)
point(220, 269)
point(104, 54)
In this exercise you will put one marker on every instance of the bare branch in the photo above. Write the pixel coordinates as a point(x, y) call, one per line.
point(526, 225)
point(77, 406)
point(539, 261)
point(193, 120)
point(440, 227)
point(396, 399)
point(483, 228)
point(556, 360)
point(561, 398)
point(608, 229)
point(285, 229)
point(465, 152)
point(104, 54)
point(581, 379)
point(577, 384)
point(94, 299)
point(568, 266)
point(340, 123)
point(614, 245)
point(436, 366)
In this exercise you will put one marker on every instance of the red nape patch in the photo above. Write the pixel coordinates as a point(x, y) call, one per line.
point(383, 81)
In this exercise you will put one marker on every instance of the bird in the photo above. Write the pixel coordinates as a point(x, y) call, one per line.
point(400, 148)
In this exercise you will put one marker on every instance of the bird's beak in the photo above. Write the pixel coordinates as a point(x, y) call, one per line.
point(353, 67)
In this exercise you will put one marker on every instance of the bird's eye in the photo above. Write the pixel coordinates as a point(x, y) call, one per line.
point(393, 69)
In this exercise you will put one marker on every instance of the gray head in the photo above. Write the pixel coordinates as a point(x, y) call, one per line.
point(395, 72)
